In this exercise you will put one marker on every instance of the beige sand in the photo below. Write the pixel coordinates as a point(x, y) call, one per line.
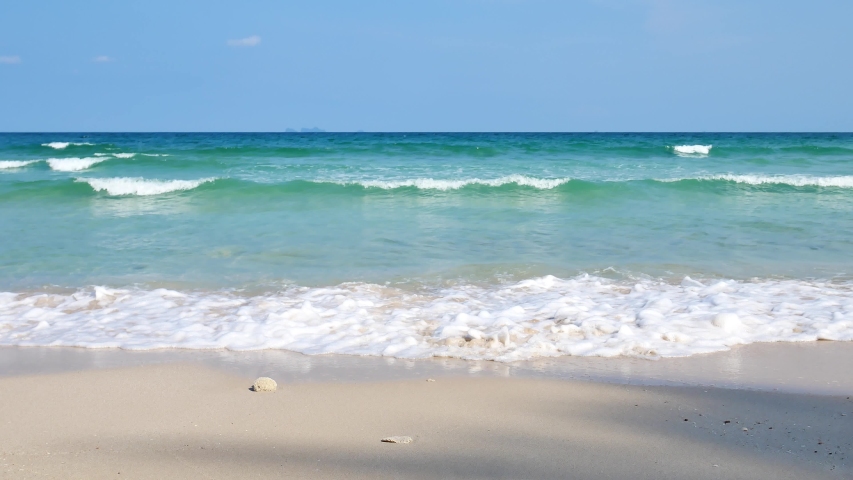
point(804, 367)
point(188, 421)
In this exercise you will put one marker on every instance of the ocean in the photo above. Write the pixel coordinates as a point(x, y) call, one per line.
point(494, 246)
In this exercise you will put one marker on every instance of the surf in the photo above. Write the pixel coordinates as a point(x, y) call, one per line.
point(124, 186)
point(538, 317)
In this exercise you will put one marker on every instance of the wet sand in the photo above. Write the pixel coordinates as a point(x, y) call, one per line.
point(809, 367)
point(190, 420)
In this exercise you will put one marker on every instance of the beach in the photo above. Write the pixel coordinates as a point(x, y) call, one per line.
point(638, 305)
point(186, 419)
point(426, 240)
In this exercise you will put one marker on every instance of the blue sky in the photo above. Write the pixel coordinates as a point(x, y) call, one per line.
point(455, 65)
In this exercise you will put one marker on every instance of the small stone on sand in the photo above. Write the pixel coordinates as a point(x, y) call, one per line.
point(430, 379)
point(264, 384)
point(397, 439)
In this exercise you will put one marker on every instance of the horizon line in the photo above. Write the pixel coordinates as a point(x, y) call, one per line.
point(422, 132)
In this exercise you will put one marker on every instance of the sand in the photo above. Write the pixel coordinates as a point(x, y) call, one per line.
point(803, 367)
point(178, 420)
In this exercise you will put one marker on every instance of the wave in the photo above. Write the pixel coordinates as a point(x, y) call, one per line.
point(63, 145)
point(7, 164)
point(140, 186)
point(844, 181)
point(433, 184)
point(539, 317)
point(510, 146)
point(557, 190)
point(221, 187)
point(692, 149)
point(129, 155)
point(73, 164)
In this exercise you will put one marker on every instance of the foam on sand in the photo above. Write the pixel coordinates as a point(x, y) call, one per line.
point(539, 317)
point(63, 145)
point(73, 164)
point(692, 149)
point(8, 164)
point(140, 186)
point(434, 184)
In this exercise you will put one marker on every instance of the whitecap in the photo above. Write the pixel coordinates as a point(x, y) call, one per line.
point(692, 149)
point(124, 155)
point(62, 145)
point(842, 181)
point(7, 164)
point(538, 317)
point(140, 186)
point(440, 184)
point(73, 164)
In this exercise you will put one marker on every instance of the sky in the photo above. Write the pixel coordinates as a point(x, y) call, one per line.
point(430, 65)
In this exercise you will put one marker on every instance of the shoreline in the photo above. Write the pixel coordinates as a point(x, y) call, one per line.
point(760, 411)
point(808, 367)
point(583, 316)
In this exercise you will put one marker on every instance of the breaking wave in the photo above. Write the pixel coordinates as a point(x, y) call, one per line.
point(6, 164)
point(692, 149)
point(63, 145)
point(73, 164)
point(843, 181)
point(140, 186)
point(434, 184)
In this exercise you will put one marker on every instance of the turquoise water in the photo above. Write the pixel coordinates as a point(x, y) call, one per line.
point(294, 208)
point(215, 214)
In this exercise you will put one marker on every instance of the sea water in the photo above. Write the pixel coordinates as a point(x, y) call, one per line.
point(481, 246)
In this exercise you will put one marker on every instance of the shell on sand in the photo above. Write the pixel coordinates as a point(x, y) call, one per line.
point(397, 439)
point(264, 384)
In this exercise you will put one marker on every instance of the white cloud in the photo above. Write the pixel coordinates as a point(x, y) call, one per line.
point(103, 59)
point(245, 42)
point(10, 59)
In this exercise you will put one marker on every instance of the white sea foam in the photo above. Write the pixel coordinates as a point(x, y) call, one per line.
point(692, 149)
point(73, 164)
point(62, 145)
point(131, 155)
point(6, 164)
point(434, 184)
point(140, 186)
point(541, 317)
point(843, 181)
